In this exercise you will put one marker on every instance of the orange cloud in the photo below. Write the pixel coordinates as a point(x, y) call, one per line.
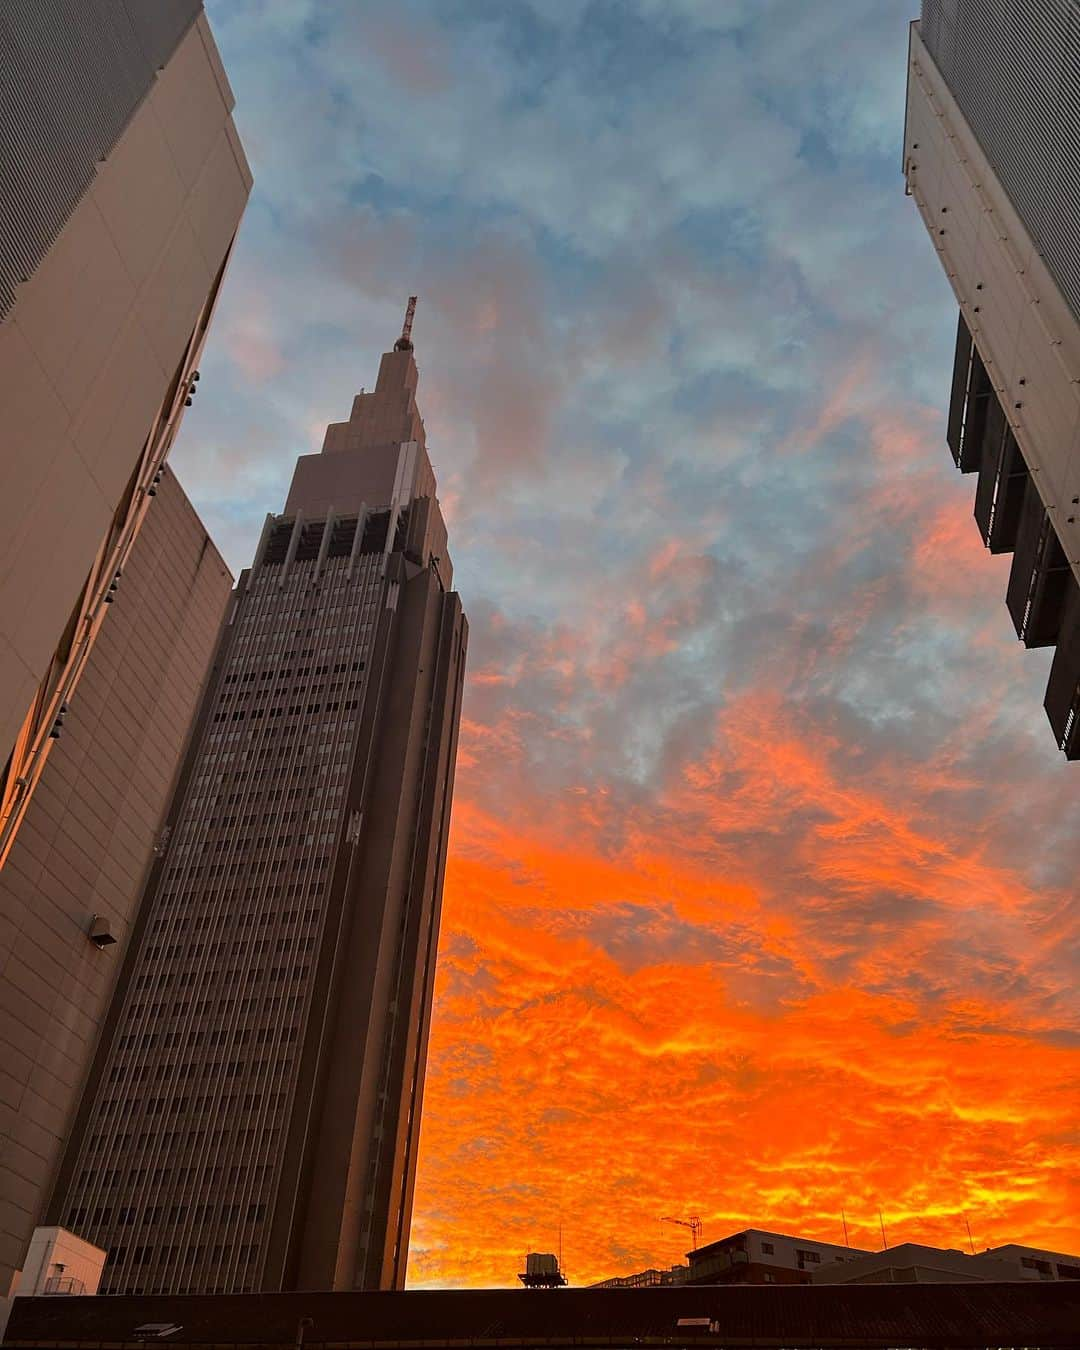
point(720, 1009)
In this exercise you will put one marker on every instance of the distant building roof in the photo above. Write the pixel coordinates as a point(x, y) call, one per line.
point(911, 1262)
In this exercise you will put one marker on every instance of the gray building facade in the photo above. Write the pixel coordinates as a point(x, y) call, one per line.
point(86, 842)
point(71, 78)
point(254, 1111)
point(1013, 67)
point(122, 183)
point(992, 161)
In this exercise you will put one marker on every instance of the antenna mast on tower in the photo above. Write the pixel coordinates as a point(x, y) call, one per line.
point(404, 342)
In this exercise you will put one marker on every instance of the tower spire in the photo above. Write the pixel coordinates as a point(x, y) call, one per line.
point(404, 342)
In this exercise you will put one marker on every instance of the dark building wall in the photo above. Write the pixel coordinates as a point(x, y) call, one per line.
point(72, 72)
point(356, 1236)
point(856, 1316)
point(1014, 68)
point(87, 840)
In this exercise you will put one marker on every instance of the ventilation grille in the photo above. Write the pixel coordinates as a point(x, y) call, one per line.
point(72, 73)
point(1014, 68)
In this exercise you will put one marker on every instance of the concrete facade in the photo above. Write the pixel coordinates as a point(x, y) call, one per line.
point(86, 843)
point(104, 328)
point(254, 1111)
point(1015, 414)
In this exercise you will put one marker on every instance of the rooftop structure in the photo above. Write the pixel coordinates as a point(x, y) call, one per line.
point(542, 1271)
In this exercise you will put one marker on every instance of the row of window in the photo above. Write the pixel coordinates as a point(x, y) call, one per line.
point(296, 942)
point(228, 977)
point(264, 916)
point(253, 1003)
point(174, 1106)
point(190, 1070)
point(165, 1254)
point(266, 815)
point(185, 1178)
point(244, 698)
point(248, 677)
point(130, 1178)
point(294, 711)
point(231, 1069)
point(235, 869)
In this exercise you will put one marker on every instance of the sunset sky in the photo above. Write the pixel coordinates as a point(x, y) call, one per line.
point(761, 901)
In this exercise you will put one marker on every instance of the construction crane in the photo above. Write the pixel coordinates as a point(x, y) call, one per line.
point(693, 1223)
point(404, 342)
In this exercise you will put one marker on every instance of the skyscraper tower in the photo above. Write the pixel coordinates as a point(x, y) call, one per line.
point(253, 1114)
point(122, 183)
point(992, 160)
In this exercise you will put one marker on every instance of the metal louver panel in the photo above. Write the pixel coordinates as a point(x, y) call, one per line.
point(72, 73)
point(1014, 68)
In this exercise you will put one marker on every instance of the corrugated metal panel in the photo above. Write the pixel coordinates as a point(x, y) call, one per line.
point(72, 73)
point(1014, 68)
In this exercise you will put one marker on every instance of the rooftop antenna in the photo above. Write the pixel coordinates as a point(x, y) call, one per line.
point(404, 342)
point(843, 1220)
point(884, 1239)
point(971, 1243)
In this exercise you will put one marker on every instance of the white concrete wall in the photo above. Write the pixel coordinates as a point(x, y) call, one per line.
point(51, 1248)
point(785, 1250)
point(92, 343)
point(1027, 334)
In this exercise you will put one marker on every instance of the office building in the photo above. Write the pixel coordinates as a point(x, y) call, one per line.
point(992, 160)
point(73, 878)
point(122, 182)
point(253, 1115)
